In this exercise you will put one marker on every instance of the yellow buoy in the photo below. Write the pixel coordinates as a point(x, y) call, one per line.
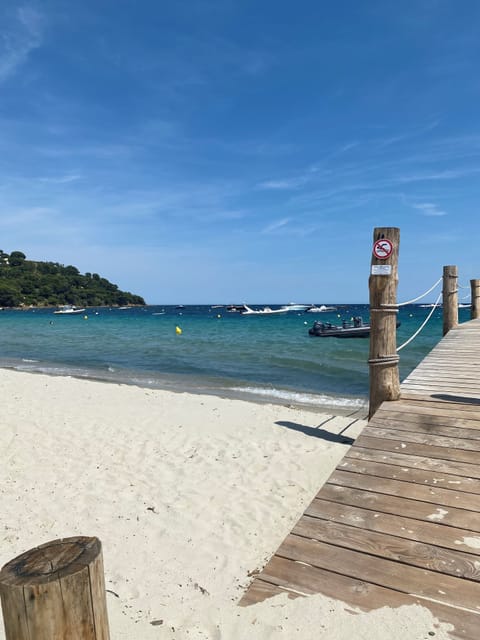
point(178, 331)
point(85, 317)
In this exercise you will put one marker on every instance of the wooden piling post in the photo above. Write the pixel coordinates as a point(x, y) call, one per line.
point(383, 282)
point(450, 298)
point(475, 299)
point(56, 592)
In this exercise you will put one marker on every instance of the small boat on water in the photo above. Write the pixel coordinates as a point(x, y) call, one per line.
point(293, 306)
point(354, 329)
point(320, 309)
point(266, 311)
point(236, 308)
point(68, 310)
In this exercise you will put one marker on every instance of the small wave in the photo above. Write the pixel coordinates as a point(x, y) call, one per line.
point(305, 398)
point(29, 360)
point(142, 382)
point(37, 366)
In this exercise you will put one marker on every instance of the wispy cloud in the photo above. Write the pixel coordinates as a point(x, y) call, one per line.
point(222, 216)
point(60, 179)
point(448, 174)
point(20, 37)
point(28, 217)
point(279, 185)
point(275, 226)
point(429, 209)
point(409, 135)
point(346, 147)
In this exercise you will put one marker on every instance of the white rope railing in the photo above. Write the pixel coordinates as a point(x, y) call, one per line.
point(434, 306)
point(422, 325)
point(463, 286)
point(402, 304)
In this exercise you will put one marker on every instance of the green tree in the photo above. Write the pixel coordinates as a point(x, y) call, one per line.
point(71, 271)
point(10, 296)
point(17, 258)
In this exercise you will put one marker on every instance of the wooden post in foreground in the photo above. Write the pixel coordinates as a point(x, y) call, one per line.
point(56, 592)
point(475, 299)
point(383, 281)
point(450, 298)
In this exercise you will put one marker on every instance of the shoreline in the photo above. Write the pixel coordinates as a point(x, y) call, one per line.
point(189, 494)
point(320, 403)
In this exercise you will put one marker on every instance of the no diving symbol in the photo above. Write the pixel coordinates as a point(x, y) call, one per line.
point(382, 249)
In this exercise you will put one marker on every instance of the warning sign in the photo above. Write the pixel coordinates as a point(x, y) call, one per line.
point(382, 249)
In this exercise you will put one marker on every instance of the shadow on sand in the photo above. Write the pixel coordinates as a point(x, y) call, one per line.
point(317, 432)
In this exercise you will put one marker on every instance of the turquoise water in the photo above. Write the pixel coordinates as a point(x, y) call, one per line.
point(270, 358)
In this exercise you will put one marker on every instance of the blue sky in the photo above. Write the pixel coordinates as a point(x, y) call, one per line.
point(227, 151)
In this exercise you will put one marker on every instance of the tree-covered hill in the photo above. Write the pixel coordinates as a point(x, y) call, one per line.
point(46, 284)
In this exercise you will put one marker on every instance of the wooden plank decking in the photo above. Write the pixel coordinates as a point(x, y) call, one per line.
point(398, 521)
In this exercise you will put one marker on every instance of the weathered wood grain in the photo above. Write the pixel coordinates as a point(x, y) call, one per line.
point(281, 574)
point(56, 592)
point(450, 497)
point(392, 547)
point(403, 527)
point(420, 477)
point(386, 573)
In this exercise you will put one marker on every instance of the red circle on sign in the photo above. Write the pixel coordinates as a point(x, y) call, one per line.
point(382, 249)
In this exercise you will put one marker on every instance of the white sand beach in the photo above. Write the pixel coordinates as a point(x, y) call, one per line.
point(188, 494)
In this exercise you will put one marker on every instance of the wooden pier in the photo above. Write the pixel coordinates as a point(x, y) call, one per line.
point(398, 521)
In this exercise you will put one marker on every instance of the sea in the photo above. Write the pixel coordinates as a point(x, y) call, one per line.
point(207, 349)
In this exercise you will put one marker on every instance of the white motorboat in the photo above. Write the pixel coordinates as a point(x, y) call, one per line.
point(293, 306)
point(235, 308)
point(321, 309)
point(68, 310)
point(262, 312)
